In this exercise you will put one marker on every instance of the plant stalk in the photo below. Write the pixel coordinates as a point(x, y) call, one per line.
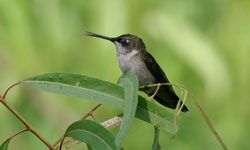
point(27, 126)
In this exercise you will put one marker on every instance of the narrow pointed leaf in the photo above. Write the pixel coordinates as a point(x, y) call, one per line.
point(85, 87)
point(92, 133)
point(155, 114)
point(130, 84)
point(5, 145)
point(80, 86)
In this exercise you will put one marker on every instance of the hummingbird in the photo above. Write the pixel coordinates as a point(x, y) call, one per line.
point(133, 56)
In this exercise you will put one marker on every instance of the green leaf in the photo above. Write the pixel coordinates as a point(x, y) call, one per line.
point(103, 92)
point(130, 83)
point(89, 147)
point(80, 86)
point(155, 114)
point(5, 145)
point(156, 145)
point(92, 133)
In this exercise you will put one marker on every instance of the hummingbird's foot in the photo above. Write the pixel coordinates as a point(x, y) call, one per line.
point(145, 88)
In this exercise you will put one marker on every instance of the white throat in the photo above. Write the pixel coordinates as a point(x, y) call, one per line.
point(126, 60)
point(127, 57)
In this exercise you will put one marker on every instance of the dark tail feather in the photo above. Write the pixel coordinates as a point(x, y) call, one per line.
point(170, 103)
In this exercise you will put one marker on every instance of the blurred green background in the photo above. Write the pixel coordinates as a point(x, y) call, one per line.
point(204, 45)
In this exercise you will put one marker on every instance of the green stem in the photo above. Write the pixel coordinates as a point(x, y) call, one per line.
point(156, 144)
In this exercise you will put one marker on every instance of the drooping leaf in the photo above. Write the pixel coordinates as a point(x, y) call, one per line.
point(92, 133)
point(130, 83)
point(79, 86)
point(156, 145)
point(5, 145)
point(103, 92)
point(155, 114)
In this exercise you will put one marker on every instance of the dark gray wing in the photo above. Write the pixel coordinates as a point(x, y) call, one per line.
point(156, 71)
point(166, 94)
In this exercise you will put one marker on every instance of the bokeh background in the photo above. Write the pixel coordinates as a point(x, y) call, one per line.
point(204, 45)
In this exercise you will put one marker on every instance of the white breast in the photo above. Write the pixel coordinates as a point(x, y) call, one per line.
point(131, 61)
point(125, 60)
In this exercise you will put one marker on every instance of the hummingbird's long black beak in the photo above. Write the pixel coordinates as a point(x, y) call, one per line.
point(100, 36)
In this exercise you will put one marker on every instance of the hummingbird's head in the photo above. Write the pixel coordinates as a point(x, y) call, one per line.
point(125, 43)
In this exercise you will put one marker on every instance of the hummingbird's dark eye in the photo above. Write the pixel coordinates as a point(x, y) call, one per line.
point(125, 42)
